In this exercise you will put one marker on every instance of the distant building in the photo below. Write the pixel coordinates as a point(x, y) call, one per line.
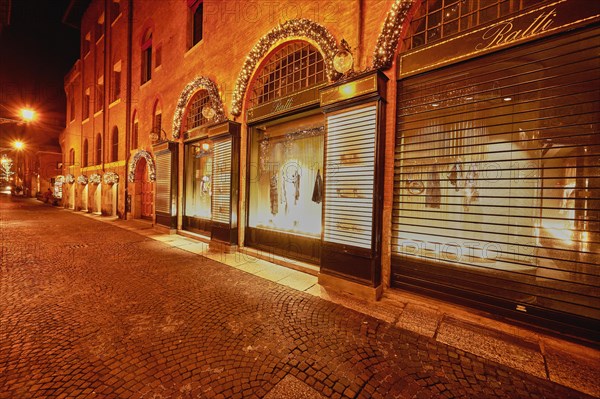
point(446, 147)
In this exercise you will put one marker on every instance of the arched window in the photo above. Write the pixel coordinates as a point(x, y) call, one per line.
point(134, 132)
point(85, 153)
point(436, 19)
point(147, 57)
point(98, 149)
point(296, 66)
point(194, 117)
point(115, 145)
point(71, 157)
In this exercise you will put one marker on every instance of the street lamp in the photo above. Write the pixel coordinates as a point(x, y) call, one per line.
point(27, 115)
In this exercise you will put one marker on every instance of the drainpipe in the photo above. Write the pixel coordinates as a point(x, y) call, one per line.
point(128, 99)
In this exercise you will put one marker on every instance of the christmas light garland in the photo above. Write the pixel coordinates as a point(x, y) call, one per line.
point(70, 179)
point(295, 28)
point(133, 163)
point(110, 178)
point(60, 179)
point(95, 178)
point(82, 179)
point(387, 42)
point(200, 82)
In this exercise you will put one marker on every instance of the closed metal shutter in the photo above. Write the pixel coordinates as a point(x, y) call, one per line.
point(350, 155)
point(221, 195)
point(163, 182)
point(497, 178)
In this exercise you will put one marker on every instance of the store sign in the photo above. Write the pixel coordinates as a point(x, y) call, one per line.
point(526, 26)
point(285, 104)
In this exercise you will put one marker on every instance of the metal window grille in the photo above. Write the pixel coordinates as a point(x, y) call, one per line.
point(294, 67)
point(497, 183)
point(194, 112)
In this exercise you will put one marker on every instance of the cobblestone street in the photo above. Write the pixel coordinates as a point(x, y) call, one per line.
point(90, 310)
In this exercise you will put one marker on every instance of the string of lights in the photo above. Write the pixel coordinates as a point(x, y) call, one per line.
point(200, 82)
point(387, 41)
point(295, 28)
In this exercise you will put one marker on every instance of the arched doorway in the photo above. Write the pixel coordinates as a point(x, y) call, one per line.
point(143, 191)
point(84, 198)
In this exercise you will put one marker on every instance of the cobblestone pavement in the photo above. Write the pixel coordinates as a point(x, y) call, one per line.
point(89, 310)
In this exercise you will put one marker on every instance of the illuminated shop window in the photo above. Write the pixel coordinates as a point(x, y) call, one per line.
point(294, 67)
point(436, 19)
point(198, 179)
point(286, 173)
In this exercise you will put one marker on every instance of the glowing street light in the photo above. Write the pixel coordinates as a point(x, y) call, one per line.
point(19, 145)
point(27, 115)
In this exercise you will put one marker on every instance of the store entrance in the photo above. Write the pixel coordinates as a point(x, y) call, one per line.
point(285, 187)
point(144, 194)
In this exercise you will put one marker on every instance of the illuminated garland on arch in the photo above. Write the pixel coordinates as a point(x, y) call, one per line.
point(70, 179)
point(200, 82)
point(110, 178)
point(82, 179)
point(95, 178)
point(133, 163)
point(387, 42)
point(294, 28)
point(60, 179)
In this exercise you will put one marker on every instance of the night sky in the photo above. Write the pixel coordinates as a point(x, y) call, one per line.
point(36, 52)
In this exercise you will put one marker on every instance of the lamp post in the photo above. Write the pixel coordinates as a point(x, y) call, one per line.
point(18, 146)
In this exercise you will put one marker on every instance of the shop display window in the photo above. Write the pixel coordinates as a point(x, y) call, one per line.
point(198, 179)
point(286, 177)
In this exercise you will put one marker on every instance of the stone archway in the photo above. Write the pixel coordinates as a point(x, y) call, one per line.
point(142, 173)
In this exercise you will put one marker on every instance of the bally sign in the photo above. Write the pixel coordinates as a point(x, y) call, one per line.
point(528, 25)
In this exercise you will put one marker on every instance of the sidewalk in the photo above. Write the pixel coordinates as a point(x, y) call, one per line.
point(544, 356)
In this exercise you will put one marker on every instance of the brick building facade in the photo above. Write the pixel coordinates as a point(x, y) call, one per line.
point(237, 123)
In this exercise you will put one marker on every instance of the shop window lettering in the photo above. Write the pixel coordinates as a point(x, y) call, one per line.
point(283, 105)
point(505, 33)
